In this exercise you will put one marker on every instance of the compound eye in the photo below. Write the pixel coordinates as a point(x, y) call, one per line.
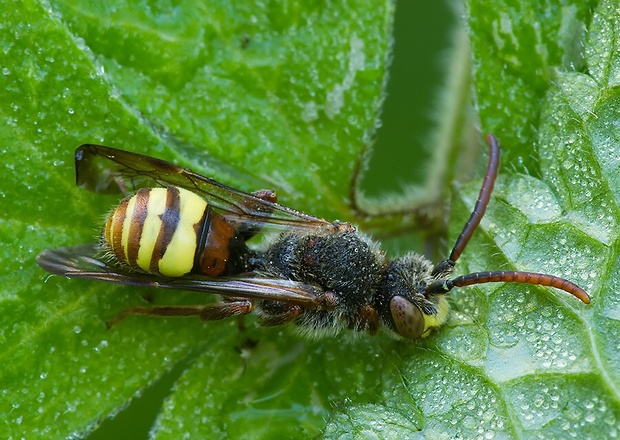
point(407, 318)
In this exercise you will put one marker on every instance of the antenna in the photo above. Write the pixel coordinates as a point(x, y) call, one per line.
point(509, 276)
point(505, 276)
point(483, 200)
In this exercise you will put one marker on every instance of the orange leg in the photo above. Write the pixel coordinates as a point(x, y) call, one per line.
point(285, 317)
point(210, 312)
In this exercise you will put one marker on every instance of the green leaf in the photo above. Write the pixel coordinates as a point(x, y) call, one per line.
point(284, 388)
point(518, 48)
point(520, 361)
point(284, 95)
point(280, 95)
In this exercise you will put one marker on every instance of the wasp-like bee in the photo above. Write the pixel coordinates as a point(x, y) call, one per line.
point(181, 230)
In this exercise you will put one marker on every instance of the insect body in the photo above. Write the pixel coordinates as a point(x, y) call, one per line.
point(172, 232)
point(181, 230)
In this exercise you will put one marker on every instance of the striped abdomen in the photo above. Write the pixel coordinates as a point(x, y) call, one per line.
point(173, 232)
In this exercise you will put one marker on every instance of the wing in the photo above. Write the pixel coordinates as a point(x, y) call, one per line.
point(108, 170)
point(86, 261)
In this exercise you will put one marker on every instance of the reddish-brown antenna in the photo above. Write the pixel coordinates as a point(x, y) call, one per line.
point(483, 200)
point(507, 276)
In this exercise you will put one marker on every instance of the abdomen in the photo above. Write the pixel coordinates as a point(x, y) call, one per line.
point(172, 232)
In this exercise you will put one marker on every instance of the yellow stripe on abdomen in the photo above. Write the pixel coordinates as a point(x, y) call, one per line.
point(179, 255)
point(156, 230)
point(150, 229)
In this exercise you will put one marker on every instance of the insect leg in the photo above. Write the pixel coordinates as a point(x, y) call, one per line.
point(266, 194)
point(210, 312)
point(291, 312)
point(366, 319)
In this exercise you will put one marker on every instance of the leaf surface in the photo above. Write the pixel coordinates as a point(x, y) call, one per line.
point(285, 95)
point(520, 361)
point(280, 95)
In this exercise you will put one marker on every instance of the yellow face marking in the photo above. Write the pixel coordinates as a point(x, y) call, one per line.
point(178, 259)
point(431, 322)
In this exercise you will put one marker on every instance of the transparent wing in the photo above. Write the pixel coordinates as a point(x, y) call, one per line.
point(108, 170)
point(86, 261)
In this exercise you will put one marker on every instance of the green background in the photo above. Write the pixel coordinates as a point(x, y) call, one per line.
point(284, 95)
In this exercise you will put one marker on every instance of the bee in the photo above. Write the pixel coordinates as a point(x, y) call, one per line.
point(181, 230)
